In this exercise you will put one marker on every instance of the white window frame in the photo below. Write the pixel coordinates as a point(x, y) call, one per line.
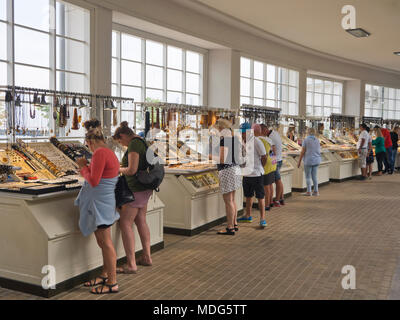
point(278, 100)
point(143, 36)
point(52, 68)
point(383, 102)
point(331, 94)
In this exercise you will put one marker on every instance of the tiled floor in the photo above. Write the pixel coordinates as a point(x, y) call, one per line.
point(299, 255)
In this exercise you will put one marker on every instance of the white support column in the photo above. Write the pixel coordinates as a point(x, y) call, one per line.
point(354, 98)
point(101, 44)
point(302, 93)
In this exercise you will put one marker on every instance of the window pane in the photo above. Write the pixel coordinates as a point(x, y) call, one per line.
point(258, 102)
point(318, 99)
point(391, 104)
point(392, 93)
point(293, 78)
point(31, 47)
point(174, 80)
point(154, 95)
point(336, 101)
point(3, 43)
point(131, 92)
point(338, 88)
point(258, 70)
point(398, 105)
point(34, 14)
point(244, 100)
point(114, 70)
point(244, 67)
point(114, 43)
point(154, 53)
point(72, 82)
point(271, 73)
point(309, 98)
point(154, 77)
point(271, 104)
point(128, 116)
point(258, 89)
point(309, 110)
point(398, 94)
point(175, 58)
point(31, 77)
point(192, 62)
point(284, 94)
point(193, 99)
point(283, 75)
point(131, 48)
point(71, 55)
point(174, 97)
point(131, 73)
point(367, 112)
point(317, 111)
point(292, 94)
point(73, 21)
point(327, 100)
point(271, 90)
point(3, 74)
point(284, 107)
point(3, 9)
point(310, 82)
point(328, 86)
point(114, 90)
point(244, 87)
point(318, 85)
point(192, 83)
point(292, 109)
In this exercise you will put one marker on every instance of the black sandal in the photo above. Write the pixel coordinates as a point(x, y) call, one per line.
point(236, 227)
point(109, 286)
point(93, 282)
point(229, 232)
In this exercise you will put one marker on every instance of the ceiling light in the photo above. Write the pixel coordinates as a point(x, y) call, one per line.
point(358, 32)
point(397, 53)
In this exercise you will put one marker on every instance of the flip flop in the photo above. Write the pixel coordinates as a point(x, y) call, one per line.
point(93, 282)
point(109, 286)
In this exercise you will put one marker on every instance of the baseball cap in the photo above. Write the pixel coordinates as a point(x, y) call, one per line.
point(244, 127)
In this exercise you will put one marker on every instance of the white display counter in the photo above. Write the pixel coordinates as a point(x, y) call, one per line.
point(38, 231)
point(193, 202)
point(341, 168)
point(299, 179)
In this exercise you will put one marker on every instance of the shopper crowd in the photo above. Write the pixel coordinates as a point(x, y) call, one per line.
point(251, 161)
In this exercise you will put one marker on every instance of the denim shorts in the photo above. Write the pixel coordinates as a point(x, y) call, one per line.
point(278, 171)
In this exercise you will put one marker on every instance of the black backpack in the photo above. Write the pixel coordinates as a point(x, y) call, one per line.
point(153, 175)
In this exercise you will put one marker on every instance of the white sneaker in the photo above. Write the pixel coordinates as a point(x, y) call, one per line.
point(315, 194)
point(306, 194)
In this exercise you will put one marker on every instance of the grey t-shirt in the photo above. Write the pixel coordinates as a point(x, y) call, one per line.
point(312, 157)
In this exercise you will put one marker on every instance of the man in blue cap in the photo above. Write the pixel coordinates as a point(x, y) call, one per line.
point(253, 183)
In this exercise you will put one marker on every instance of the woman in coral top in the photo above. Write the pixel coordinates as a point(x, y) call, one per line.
point(96, 202)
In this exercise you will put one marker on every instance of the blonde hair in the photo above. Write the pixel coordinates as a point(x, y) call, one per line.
point(311, 131)
point(94, 131)
point(379, 132)
point(222, 124)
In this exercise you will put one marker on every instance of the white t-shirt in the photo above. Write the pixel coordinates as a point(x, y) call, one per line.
point(277, 141)
point(363, 135)
point(254, 151)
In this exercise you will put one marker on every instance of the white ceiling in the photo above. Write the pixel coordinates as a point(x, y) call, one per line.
point(316, 24)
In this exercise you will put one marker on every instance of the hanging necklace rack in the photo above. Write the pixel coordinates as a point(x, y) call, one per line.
point(256, 114)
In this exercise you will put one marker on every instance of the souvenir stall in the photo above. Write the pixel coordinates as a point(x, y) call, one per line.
point(179, 135)
point(39, 181)
point(342, 152)
point(270, 117)
point(292, 151)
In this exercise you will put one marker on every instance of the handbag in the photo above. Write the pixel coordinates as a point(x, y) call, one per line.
point(123, 194)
